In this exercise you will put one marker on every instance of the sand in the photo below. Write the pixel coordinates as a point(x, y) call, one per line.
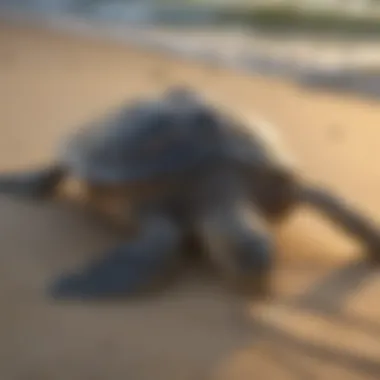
point(50, 83)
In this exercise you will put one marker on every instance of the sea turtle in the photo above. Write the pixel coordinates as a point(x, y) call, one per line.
point(182, 167)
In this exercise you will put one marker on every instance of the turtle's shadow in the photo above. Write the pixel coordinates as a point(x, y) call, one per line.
point(327, 298)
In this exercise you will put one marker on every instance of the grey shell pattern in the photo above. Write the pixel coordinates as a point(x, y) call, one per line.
point(143, 140)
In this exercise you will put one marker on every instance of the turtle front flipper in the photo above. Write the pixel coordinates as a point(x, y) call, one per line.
point(129, 268)
point(343, 216)
point(37, 183)
point(236, 238)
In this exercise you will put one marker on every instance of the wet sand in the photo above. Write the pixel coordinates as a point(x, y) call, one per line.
point(50, 83)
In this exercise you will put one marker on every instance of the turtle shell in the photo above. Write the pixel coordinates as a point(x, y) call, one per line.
point(258, 144)
point(143, 140)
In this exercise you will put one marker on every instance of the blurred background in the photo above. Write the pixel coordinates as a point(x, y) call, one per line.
point(310, 67)
point(320, 43)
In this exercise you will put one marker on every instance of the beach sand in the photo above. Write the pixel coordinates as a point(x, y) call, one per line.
point(49, 84)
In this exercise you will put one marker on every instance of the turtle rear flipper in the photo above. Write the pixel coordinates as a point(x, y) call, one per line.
point(38, 183)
